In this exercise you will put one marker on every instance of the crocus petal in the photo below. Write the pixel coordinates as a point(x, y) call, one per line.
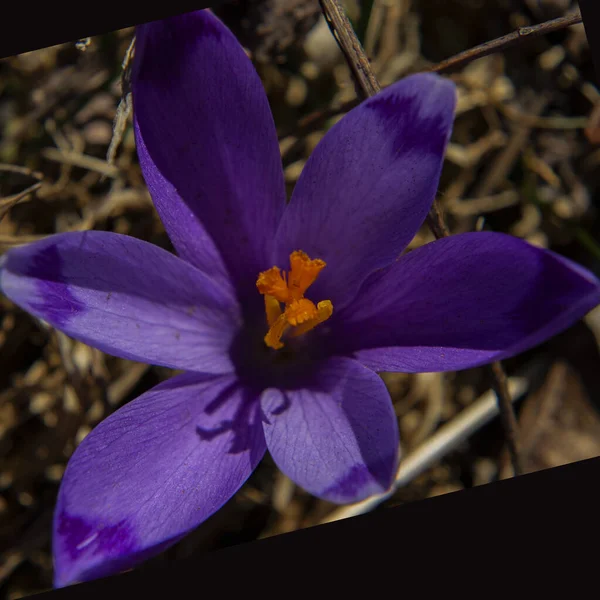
point(337, 437)
point(461, 302)
point(369, 184)
point(187, 235)
point(208, 144)
point(126, 297)
point(152, 472)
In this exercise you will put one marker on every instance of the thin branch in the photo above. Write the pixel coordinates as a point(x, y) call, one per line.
point(357, 60)
point(369, 86)
point(435, 222)
point(71, 157)
point(22, 171)
point(506, 41)
point(125, 107)
point(7, 203)
point(507, 415)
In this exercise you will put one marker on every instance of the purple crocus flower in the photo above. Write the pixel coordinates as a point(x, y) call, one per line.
point(280, 316)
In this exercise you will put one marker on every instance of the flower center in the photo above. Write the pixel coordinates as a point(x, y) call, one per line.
point(280, 287)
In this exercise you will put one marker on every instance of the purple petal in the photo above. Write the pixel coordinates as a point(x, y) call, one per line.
point(369, 184)
point(337, 437)
point(207, 143)
point(152, 472)
point(461, 302)
point(125, 297)
point(187, 234)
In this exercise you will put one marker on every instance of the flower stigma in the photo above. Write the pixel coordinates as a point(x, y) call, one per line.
point(299, 314)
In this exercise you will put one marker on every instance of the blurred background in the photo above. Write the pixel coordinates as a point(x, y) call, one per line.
point(524, 159)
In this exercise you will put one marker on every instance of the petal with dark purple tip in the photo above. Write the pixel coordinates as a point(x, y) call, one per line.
point(369, 184)
point(125, 297)
point(152, 472)
point(463, 301)
point(337, 437)
point(208, 144)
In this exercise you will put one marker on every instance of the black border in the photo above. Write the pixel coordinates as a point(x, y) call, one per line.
point(507, 533)
point(27, 26)
point(590, 13)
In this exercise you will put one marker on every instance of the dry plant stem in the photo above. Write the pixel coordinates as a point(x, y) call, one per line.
point(436, 223)
point(507, 414)
point(125, 107)
point(21, 170)
point(446, 439)
point(355, 56)
point(7, 203)
point(361, 69)
point(73, 158)
point(506, 41)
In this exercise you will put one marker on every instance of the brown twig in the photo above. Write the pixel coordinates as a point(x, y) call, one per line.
point(7, 203)
point(76, 159)
point(359, 65)
point(21, 171)
point(507, 415)
point(355, 56)
point(506, 41)
point(125, 107)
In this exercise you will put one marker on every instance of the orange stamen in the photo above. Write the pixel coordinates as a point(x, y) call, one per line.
point(276, 331)
point(272, 308)
point(299, 313)
point(303, 273)
point(324, 311)
point(272, 282)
